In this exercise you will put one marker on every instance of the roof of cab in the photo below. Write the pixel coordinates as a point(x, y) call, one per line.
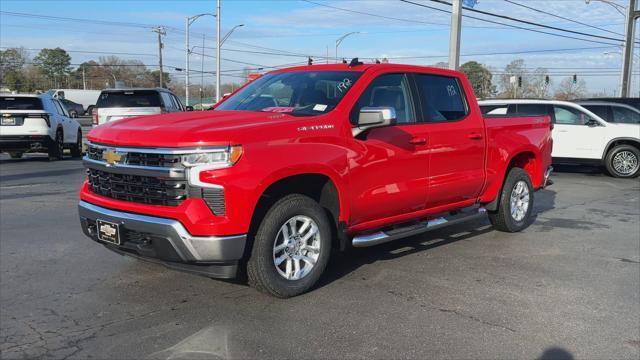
point(367, 66)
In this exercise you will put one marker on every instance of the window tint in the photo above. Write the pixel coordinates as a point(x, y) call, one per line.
point(20, 103)
point(569, 116)
point(625, 116)
point(144, 98)
point(441, 98)
point(601, 110)
point(61, 110)
point(390, 90)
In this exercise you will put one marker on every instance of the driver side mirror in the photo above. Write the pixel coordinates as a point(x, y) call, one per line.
point(592, 123)
point(374, 117)
point(188, 108)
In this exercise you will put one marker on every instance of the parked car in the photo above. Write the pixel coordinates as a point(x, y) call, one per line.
point(74, 109)
point(306, 159)
point(612, 112)
point(116, 104)
point(580, 136)
point(631, 101)
point(37, 123)
point(86, 98)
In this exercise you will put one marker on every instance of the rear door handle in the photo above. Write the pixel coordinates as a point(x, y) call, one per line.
point(418, 141)
point(474, 136)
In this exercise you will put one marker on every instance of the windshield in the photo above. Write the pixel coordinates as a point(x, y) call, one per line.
point(20, 103)
point(129, 99)
point(302, 93)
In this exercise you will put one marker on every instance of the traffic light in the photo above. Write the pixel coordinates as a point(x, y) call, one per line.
point(575, 78)
point(309, 61)
point(519, 81)
point(546, 79)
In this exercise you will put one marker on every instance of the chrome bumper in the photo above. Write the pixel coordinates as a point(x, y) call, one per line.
point(189, 248)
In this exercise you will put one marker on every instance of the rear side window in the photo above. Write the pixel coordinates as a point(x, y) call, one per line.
point(601, 110)
point(20, 103)
point(493, 109)
point(168, 102)
point(569, 116)
point(625, 116)
point(441, 98)
point(144, 98)
point(528, 110)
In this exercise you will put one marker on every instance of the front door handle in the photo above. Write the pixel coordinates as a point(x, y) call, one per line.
point(417, 141)
point(474, 136)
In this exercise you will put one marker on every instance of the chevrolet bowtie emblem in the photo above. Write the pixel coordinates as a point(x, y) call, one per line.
point(111, 157)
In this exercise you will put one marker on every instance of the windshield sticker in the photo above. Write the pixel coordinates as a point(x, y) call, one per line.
point(279, 109)
point(320, 107)
point(344, 85)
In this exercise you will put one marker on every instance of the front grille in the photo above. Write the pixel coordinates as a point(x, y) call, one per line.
point(136, 188)
point(139, 158)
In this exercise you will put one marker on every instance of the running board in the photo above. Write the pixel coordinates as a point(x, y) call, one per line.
point(381, 237)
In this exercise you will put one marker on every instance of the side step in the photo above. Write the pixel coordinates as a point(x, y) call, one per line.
point(381, 237)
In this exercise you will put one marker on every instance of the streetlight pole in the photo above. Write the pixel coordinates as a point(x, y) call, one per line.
point(217, 51)
point(341, 38)
point(188, 22)
point(454, 39)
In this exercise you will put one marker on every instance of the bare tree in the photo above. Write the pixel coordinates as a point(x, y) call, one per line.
point(569, 90)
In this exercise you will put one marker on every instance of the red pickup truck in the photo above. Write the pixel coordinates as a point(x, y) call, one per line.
point(304, 161)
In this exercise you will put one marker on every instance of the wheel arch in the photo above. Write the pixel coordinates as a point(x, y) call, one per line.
point(525, 159)
point(620, 141)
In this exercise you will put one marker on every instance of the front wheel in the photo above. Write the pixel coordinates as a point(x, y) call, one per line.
point(291, 247)
point(516, 203)
point(623, 161)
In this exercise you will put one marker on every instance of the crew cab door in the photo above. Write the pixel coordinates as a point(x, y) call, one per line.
point(388, 166)
point(456, 140)
point(576, 135)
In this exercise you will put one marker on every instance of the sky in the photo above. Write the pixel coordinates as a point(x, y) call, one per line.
point(277, 33)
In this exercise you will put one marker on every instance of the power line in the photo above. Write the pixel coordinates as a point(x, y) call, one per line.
point(562, 17)
point(505, 24)
point(530, 22)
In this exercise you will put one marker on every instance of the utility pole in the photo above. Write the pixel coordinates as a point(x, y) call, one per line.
point(627, 57)
point(202, 72)
point(187, 50)
point(218, 16)
point(84, 81)
point(161, 32)
point(454, 40)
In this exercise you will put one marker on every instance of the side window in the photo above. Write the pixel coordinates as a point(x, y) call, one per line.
point(569, 116)
point(601, 110)
point(532, 110)
point(625, 116)
point(441, 98)
point(177, 102)
point(493, 109)
point(168, 103)
point(390, 90)
point(61, 110)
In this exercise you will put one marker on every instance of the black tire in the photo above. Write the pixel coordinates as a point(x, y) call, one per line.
point(73, 114)
point(15, 154)
point(631, 153)
point(502, 219)
point(261, 269)
point(76, 149)
point(56, 147)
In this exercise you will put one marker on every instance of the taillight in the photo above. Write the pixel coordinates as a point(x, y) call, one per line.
point(94, 114)
point(46, 119)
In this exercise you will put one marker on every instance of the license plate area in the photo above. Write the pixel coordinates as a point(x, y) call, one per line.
point(108, 232)
point(8, 121)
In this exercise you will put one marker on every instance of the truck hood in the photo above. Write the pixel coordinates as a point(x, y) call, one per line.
point(189, 129)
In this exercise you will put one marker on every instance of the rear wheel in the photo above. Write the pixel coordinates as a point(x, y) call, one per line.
point(15, 154)
point(516, 203)
point(623, 161)
point(76, 149)
point(56, 147)
point(291, 247)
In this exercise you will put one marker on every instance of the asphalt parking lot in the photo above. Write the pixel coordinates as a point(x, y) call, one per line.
point(567, 287)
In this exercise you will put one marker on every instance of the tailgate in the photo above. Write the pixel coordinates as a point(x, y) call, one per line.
point(22, 122)
point(112, 114)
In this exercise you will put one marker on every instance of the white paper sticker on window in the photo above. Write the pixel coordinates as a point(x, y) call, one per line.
point(320, 107)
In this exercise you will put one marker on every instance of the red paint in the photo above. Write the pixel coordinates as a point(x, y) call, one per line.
point(396, 174)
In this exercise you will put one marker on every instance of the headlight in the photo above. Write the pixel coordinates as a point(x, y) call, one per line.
point(213, 160)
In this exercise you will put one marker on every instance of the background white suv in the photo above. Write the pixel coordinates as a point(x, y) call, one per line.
point(37, 123)
point(579, 135)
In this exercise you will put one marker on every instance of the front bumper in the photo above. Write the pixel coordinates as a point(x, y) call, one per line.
point(166, 241)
